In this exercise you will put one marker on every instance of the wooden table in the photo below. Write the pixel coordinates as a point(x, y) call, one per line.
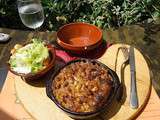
point(10, 106)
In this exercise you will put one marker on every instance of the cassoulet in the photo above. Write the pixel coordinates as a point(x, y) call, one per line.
point(82, 86)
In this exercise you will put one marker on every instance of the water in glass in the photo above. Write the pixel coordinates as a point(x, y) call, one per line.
point(31, 15)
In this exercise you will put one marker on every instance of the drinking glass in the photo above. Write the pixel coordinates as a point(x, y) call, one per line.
point(31, 13)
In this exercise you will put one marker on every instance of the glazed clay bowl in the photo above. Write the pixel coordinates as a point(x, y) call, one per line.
point(32, 76)
point(79, 37)
point(85, 115)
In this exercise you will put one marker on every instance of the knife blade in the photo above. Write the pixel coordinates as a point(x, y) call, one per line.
point(3, 75)
point(133, 90)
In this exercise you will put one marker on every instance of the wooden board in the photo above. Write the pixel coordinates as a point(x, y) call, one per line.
point(40, 107)
point(143, 81)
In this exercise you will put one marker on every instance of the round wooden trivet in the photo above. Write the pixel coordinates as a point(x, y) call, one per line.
point(35, 101)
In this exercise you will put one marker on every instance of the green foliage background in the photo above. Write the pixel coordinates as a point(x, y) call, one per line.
point(103, 13)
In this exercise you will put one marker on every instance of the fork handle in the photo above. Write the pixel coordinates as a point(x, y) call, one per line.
point(133, 95)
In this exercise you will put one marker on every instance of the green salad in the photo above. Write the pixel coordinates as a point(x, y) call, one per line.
point(29, 58)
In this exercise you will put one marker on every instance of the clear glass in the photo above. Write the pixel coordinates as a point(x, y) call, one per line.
point(31, 13)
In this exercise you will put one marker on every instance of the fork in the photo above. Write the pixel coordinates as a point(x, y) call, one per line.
point(124, 49)
point(125, 52)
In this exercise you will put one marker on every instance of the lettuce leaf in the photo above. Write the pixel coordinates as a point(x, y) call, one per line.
point(30, 56)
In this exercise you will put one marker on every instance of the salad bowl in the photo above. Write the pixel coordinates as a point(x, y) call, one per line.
point(49, 63)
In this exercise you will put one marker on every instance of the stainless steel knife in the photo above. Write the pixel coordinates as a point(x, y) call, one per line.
point(3, 75)
point(133, 90)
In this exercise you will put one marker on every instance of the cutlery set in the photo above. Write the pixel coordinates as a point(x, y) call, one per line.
point(129, 58)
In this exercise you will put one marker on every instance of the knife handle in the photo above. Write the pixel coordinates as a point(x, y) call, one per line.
point(133, 95)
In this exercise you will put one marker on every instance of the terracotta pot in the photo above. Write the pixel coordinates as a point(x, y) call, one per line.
point(79, 37)
point(85, 115)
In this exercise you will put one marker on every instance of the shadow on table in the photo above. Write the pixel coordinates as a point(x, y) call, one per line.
point(5, 116)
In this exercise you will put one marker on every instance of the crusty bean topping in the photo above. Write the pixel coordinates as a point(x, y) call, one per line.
point(82, 86)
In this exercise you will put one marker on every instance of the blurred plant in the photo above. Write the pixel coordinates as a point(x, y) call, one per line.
point(103, 13)
point(8, 14)
point(8, 8)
